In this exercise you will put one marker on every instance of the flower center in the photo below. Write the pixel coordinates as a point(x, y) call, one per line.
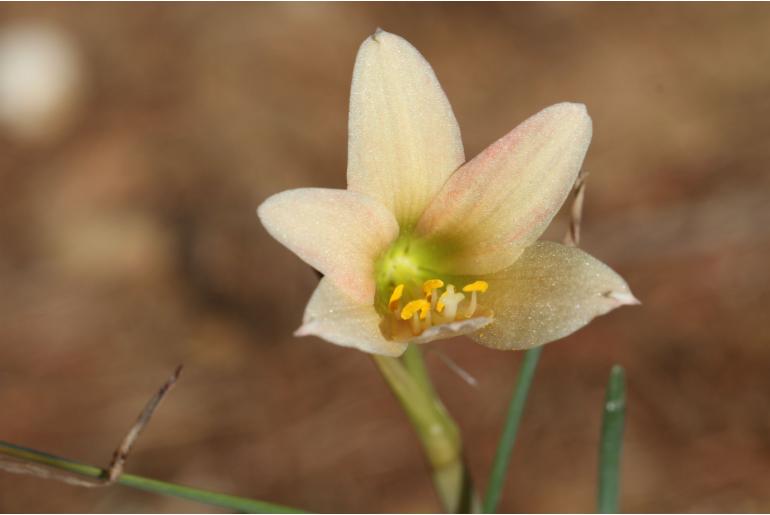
point(435, 307)
point(412, 296)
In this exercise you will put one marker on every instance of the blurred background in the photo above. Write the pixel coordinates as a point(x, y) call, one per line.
point(137, 140)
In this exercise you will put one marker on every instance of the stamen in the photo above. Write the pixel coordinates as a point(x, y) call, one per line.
point(471, 308)
point(432, 284)
point(421, 305)
point(415, 323)
point(429, 287)
point(474, 287)
point(398, 292)
point(480, 286)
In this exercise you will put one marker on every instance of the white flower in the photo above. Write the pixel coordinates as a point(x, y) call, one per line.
point(423, 245)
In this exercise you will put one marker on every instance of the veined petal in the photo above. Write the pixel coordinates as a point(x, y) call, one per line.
point(339, 232)
point(452, 329)
point(403, 139)
point(338, 319)
point(549, 292)
point(502, 200)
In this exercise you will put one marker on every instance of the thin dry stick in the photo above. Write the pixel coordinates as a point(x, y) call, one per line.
point(454, 367)
point(122, 452)
point(572, 238)
point(119, 457)
point(17, 466)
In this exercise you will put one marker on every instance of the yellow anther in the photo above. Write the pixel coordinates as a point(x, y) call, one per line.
point(440, 306)
point(395, 296)
point(480, 286)
point(421, 305)
point(432, 284)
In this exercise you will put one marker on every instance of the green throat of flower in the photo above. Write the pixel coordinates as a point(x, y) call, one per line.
point(412, 296)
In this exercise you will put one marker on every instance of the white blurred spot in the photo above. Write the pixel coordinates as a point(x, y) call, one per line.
point(40, 80)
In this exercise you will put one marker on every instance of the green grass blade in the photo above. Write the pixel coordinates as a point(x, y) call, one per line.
point(612, 442)
point(141, 483)
point(511, 427)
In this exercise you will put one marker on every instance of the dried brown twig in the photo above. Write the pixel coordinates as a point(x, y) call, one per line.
point(122, 452)
point(572, 238)
point(19, 466)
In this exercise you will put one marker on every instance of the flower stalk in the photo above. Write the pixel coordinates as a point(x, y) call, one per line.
point(438, 433)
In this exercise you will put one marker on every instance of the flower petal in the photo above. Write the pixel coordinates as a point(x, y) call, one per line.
point(336, 318)
point(403, 139)
point(549, 292)
point(339, 232)
point(503, 199)
point(452, 329)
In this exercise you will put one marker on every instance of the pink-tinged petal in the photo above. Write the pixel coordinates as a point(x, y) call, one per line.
point(336, 318)
point(502, 200)
point(403, 139)
point(338, 232)
point(550, 292)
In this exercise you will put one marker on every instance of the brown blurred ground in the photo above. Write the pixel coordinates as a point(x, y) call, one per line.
point(130, 244)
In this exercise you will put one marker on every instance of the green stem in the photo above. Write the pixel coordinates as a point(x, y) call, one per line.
point(142, 483)
point(415, 365)
point(438, 433)
point(612, 442)
point(511, 427)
